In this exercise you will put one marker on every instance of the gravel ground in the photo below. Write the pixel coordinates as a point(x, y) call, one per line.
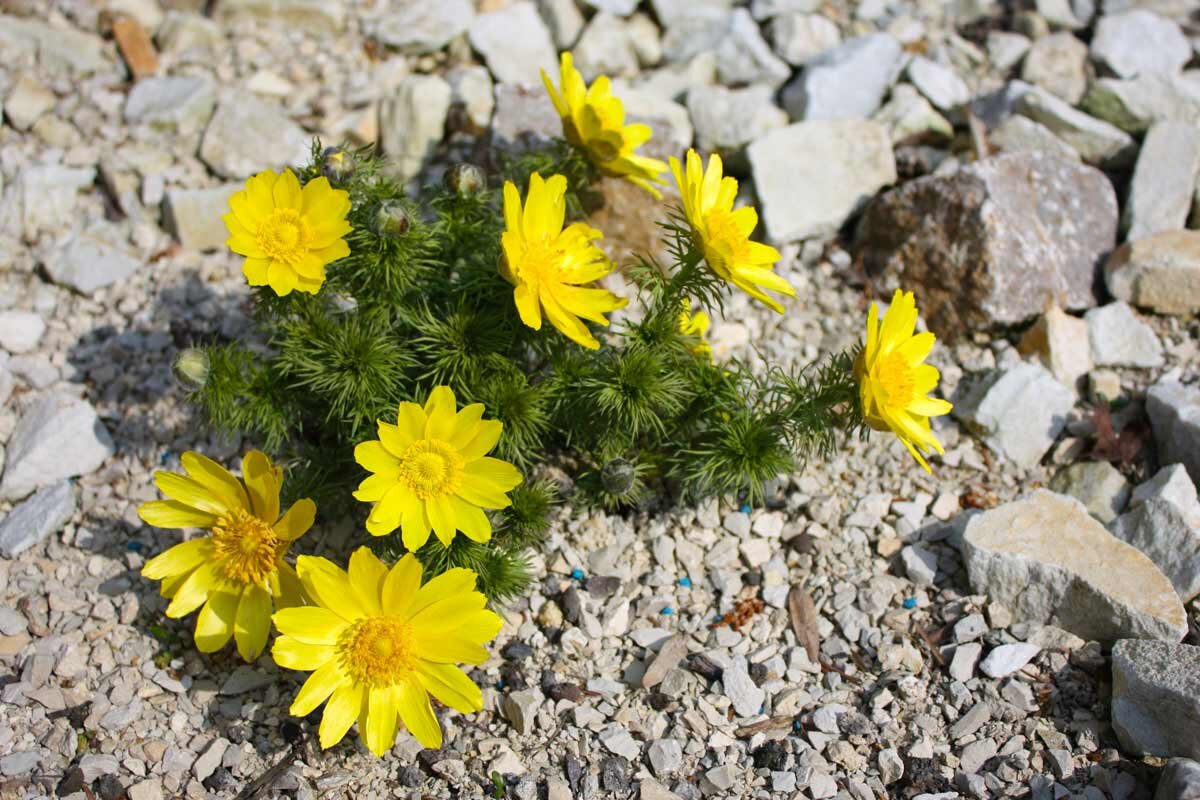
point(658, 654)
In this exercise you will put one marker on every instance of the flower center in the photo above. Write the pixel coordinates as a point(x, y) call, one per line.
point(542, 259)
point(246, 547)
point(284, 235)
point(377, 651)
point(724, 246)
point(894, 380)
point(431, 468)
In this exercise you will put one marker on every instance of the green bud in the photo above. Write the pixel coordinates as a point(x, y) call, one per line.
point(392, 219)
point(191, 368)
point(617, 476)
point(338, 165)
point(465, 180)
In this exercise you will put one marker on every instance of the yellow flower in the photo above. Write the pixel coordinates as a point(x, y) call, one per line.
point(431, 472)
point(696, 325)
point(594, 121)
point(288, 234)
point(378, 643)
point(893, 381)
point(723, 233)
point(547, 264)
point(237, 569)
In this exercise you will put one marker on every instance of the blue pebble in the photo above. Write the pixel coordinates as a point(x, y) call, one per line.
point(577, 574)
point(910, 603)
point(133, 547)
point(164, 458)
point(796, 726)
point(685, 582)
point(499, 684)
point(668, 612)
point(745, 509)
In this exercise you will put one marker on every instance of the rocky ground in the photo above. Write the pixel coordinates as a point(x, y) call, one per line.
point(873, 631)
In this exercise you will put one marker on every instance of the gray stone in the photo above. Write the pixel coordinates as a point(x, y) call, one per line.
point(1179, 780)
point(1164, 180)
point(747, 698)
point(1046, 559)
point(668, 657)
point(515, 43)
point(471, 88)
point(95, 765)
point(520, 709)
point(1005, 49)
point(1096, 141)
point(21, 762)
point(994, 242)
point(1164, 523)
point(317, 16)
point(1058, 64)
point(938, 82)
point(974, 755)
point(245, 679)
point(91, 260)
point(969, 628)
point(58, 437)
point(743, 56)
point(665, 756)
point(27, 100)
point(1136, 104)
point(605, 48)
point(846, 82)
point(1059, 14)
point(1160, 272)
point(193, 216)
point(208, 761)
point(1101, 488)
point(1139, 42)
point(966, 656)
point(1023, 135)
point(246, 136)
point(12, 622)
point(1018, 411)
point(812, 176)
point(650, 789)
point(1006, 659)
point(1174, 411)
point(1060, 341)
point(798, 38)
point(718, 780)
point(34, 519)
point(47, 195)
point(909, 118)
point(417, 26)
point(1156, 698)
point(523, 119)
point(766, 9)
point(1119, 338)
point(726, 120)
point(20, 331)
point(563, 19)
point(673, 132)
point(972, 720)
point(619, 742)
point(182, 104)
point(412, 123)
point(920, 564)
point(620, 8)
point(60, 49)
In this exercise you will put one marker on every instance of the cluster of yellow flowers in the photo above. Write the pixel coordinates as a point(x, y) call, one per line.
point(377, 641)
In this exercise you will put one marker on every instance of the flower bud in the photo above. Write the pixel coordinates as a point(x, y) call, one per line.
point(191, 368)
point(392, 219)
point(617, 476)
point(338, 165)
point(464, 180)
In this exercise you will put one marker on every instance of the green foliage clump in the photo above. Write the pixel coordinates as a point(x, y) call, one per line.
point(419, 303)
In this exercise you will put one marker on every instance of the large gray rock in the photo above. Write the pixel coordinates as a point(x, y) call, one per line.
point(1156, 698)
point(1136, 104)
point(1174, 411)
point(812, 176)
point(1060, 341)
point(1140, 42)
point(1179, 780)
point(58, 437)
point(1101, 488)
point(1164, 180)
point(1160, 272)
point(91, 260)
point(847, 82)
point(412, 122)
point(1047, 560)
point(246, 136)
point(938, 82)
point(523, 119)
point(61, 49)
point(994, 242)
point(1018, 412)
point(35, 518)
point(605, 48)
point(1096, 141)
point(798, 38)
point(27, 100)
point(726, 120)
point(45, 195)
point(182, 104)
point(194, 215)
point(418, 26)
point(1058, 64)
point(1022, 135)
point(1120, 339)
point(515, 43)
point(732, 38)
point(318, 16)
point(1164, 523)
point(20, 331)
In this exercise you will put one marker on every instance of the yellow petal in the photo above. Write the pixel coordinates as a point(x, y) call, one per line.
point(470, 519)
point(401, 585)
point(262, 482)
point(286, 191)
point(410, 425)
point(528, 308)
point(189, 492)
point(439, 413)
point(373, 456)
point(451, 582)
point(174, 514)
point(448, 613)
point(373, 488)
point(487, 434)
point(441, 517)
point(329, 587)
point(291, 653)
point(512, 208)
point(449, 649)
point(281, 278)
point(218, 480)
point(466, 424)
point(415, 526)
point(480, 491)
point(317, 689)
point(340, 713)
point(500, 475)
point(285, 586)
point(417, 714)
point(253, 622)
point(379, 733)
point(181, 558)
point(194, 591)
point(310, 624)
point(256, 270)
point(214, 623)
point(449, 685)
point(297, 520)
point(367, 574)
